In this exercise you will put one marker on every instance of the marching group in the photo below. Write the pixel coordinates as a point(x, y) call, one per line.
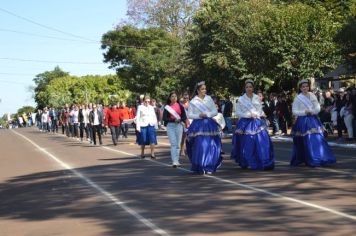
point(195, 127)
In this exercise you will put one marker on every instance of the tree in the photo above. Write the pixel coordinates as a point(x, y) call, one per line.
point(41, 82)
point(174, 16)
point(26, 110)
point(346, 37)
point(148, 63)
point(86, 89)
point(275, 44)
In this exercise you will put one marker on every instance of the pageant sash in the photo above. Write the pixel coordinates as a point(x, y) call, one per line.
point(247, 103)
point(200, 106)
point(172, 112)
point(307, 103)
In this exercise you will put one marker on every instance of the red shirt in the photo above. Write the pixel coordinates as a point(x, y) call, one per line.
point(124, 113)
point(113, 117)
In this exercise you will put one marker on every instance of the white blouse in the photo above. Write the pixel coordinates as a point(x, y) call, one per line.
point(243, 112)
point(86, 116)
point(194, 112)
point(298, 107)
point(145, 116)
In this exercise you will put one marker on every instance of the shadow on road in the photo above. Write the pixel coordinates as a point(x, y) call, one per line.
point(177, 201)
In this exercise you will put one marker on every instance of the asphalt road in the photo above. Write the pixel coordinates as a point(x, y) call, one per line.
point(53, 185)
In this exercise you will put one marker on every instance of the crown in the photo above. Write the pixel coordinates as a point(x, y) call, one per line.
point(303, 81)
point(249, 81)
point(200, 83)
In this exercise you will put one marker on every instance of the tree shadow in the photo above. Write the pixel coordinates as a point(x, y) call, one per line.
point(177, 201)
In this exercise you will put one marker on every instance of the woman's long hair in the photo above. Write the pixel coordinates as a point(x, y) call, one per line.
point(168, 102)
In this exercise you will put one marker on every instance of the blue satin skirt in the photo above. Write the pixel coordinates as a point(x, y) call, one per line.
point(309, 145)
point(204, 145)
point(147, 136)
point(251, 145)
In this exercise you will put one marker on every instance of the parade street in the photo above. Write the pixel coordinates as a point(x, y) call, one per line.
point(54, 185)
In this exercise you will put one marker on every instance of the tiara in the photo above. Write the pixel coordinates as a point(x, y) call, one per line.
point(200, 83)
point(303, 81)
point(249, 81)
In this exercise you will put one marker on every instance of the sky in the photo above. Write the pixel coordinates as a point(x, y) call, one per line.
point(30, 46)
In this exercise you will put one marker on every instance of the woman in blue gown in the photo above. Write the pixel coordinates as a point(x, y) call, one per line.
point(251, 145)
point(309, 145)
point(203, 135)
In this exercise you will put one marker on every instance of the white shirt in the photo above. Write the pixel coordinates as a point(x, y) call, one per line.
point(44, 117)
point(194, 112)
point(96, 118)
point(243, 112)
point(145, 116)
point(74, 114)
point(298, 107)
point(85, 116)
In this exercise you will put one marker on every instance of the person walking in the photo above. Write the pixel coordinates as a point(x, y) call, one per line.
point(174, 119)
point(96, 119)
point(146, 125)
point(125, 116)
point(203, 135)
point(112, 119)
point(309, 145)
point(227, 113)
point(251, 144)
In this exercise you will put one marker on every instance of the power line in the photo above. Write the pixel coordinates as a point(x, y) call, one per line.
point(13, 82)
point(109, 43)
point(45, 26)
point(44, 36)
point(4, 73)
point(47, 61)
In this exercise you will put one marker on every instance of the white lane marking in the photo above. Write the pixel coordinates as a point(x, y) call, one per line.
point(290, 199)
point(117, 201)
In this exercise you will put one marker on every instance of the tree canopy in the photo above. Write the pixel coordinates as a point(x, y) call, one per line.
point(275, 45)
point(80, 90)
point(41, 81)
point(148, 64)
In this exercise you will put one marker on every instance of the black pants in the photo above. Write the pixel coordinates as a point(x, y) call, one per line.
point(96, 129)
point(283, 124)
point(54, 126)
point(83, 128)
point(115, 133)
point(90, 132)
point(340, 126)
point(124, 129)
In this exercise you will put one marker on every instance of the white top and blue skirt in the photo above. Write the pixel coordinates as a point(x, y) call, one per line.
point(251, 144)
point(203, 136)
point(309, 145)
point(146, 125)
